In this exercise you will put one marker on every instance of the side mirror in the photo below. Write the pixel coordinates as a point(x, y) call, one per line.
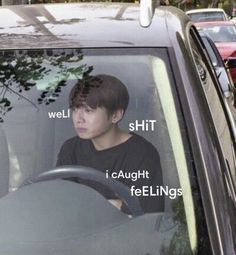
point(147, 8)
point(231, 62)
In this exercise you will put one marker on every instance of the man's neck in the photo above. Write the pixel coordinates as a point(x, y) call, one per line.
point(110, 139)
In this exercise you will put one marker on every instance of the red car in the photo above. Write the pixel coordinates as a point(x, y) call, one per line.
point(223, 34)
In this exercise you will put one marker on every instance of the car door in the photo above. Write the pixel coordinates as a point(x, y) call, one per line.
point(224, 132)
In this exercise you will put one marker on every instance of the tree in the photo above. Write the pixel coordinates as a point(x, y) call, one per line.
point(215, 3)
point(14, 2)
point(183, 4)
point(19, 73)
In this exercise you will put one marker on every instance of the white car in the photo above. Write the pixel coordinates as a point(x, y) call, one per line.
point(207, 14)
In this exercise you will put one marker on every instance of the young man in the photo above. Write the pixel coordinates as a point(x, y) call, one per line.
point(98, 104)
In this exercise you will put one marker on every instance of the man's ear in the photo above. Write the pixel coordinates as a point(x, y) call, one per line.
point(117, 116)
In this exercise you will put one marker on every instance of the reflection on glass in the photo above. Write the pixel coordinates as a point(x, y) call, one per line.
point(48, 71)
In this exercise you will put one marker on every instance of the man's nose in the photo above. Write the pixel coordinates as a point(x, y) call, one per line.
point(79, 115)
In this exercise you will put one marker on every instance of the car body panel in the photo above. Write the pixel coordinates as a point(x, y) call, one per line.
point(227, 49)
point(26, 30)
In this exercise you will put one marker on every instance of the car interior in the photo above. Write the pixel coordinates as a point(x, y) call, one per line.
point(62, 217)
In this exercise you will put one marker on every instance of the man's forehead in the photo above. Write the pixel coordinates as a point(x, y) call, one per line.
point(81, 105)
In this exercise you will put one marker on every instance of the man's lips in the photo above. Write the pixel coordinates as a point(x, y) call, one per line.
point(81, 130)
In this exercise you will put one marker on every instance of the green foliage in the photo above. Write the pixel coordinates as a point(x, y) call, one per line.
point(194, 4)
point(20, 72)
point(5, 106)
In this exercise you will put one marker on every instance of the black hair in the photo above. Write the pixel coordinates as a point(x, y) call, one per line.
point(100, 91)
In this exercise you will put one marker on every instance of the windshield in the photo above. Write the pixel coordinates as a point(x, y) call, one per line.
point(221, 33)
point(207, 16)
point(52, 116)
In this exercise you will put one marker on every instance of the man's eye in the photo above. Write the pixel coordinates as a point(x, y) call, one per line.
point(88, 110)
point(75, 109)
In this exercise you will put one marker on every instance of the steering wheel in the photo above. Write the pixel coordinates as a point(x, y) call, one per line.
point(91, 174)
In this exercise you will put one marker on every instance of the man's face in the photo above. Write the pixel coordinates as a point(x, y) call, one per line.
point(91, 123)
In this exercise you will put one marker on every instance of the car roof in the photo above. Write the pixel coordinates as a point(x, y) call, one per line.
point(214, 23)
point(205, 10)
point(86, 25)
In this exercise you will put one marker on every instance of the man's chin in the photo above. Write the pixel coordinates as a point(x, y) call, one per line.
point(84, 136)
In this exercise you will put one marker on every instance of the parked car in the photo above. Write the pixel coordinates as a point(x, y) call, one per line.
point(207, 14)
point(176, 103)
point(223, 35)
point(234, 11)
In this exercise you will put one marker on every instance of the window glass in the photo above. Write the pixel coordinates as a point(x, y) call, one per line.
point(37, 123)
point(207, 16)
point(225, 33)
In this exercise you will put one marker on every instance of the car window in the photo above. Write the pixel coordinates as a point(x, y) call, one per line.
point(221, 33)
point(207, 16)
point(36, 121)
